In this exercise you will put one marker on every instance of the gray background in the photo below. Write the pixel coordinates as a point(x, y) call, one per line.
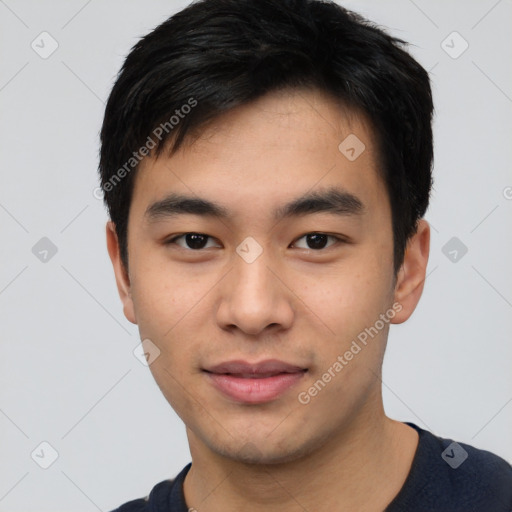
point(67, 369)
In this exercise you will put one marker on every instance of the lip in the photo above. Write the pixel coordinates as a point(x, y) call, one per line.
point(254, 383)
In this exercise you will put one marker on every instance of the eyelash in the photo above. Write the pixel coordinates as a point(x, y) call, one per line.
point(172, 241)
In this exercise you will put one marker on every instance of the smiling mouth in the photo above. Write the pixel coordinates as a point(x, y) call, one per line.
point(254, 384)
point(255, 375)
point(266, 368)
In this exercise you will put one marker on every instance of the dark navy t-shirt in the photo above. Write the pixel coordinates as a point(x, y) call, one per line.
point(445, 476)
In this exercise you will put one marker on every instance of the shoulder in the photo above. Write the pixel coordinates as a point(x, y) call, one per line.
point(464, 466)
point(138, 505)
point(166, 496)
point(451, 476)
point(146, 504)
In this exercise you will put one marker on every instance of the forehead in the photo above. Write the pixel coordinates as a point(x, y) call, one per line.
point(268, 152)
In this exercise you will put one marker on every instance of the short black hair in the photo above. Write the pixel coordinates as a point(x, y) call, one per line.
point(215, 55)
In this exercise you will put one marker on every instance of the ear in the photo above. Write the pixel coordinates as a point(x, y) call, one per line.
point(412, 273)
point(122, 277)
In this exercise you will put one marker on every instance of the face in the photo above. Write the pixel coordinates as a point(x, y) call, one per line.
point(286, 261)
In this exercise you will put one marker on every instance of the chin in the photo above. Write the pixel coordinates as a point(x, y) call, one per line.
point(262, 451)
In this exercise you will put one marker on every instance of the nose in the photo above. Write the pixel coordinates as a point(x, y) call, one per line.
point(255, 297)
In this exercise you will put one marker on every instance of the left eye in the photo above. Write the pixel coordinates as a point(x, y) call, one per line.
point(317, 241)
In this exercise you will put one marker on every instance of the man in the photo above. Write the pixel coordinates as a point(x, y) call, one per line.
point(267, 167)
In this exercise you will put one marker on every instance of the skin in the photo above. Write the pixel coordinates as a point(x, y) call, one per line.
point(295, 303)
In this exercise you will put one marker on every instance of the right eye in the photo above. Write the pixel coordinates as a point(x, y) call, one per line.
point(192, 241)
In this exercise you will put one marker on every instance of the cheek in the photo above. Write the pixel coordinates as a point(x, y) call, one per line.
point(164, 296)
point(170, 378)
point(349, 298)
point(170, 313)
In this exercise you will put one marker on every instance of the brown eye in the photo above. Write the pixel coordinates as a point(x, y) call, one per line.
point(192, 241)
point(317, 241)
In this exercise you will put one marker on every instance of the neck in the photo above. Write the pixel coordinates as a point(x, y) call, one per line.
point(362, 467)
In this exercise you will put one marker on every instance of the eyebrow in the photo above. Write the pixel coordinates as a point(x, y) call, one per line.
point(332, 200)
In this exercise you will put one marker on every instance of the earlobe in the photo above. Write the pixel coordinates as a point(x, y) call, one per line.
point(411, 276)
point(121, 275)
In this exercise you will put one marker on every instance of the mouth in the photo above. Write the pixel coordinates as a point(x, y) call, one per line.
point(254, 383)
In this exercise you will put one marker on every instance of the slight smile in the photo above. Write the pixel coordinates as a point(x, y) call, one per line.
point(254, 383)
